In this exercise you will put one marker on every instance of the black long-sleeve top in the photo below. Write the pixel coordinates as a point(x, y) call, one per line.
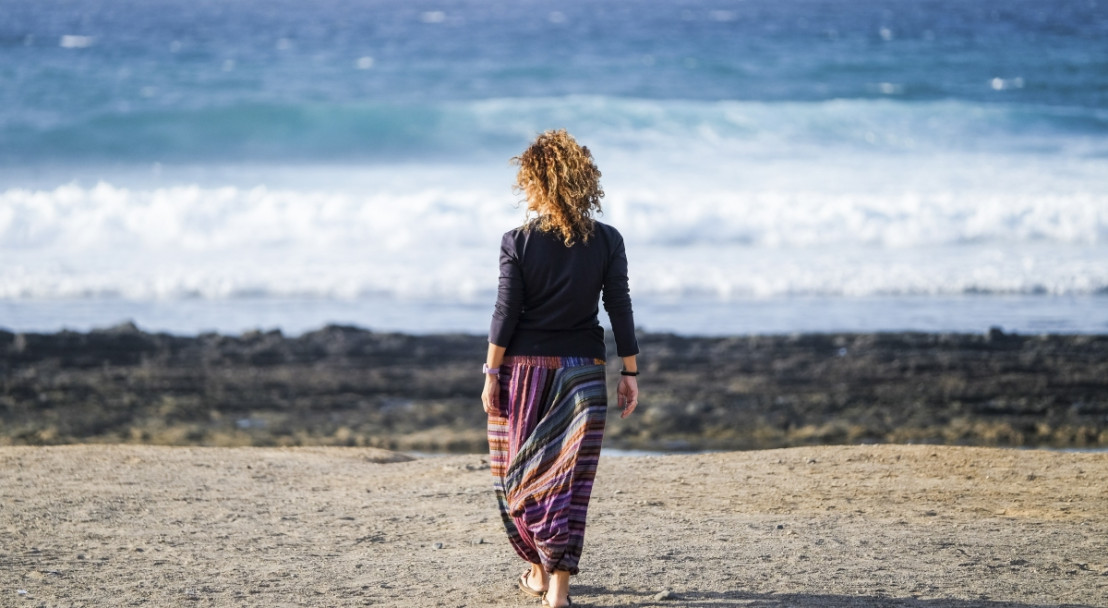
point(547, 301)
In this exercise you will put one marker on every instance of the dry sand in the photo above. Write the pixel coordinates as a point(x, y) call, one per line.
point(917, 526)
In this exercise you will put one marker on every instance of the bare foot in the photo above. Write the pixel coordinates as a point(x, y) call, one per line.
point(557, 596)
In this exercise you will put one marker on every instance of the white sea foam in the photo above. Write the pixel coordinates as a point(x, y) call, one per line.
point(73, 41)
point(439, 243)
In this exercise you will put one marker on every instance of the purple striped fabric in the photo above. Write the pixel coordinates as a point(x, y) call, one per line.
point(544, 445)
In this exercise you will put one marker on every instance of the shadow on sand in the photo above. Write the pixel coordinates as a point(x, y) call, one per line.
point(742, 599)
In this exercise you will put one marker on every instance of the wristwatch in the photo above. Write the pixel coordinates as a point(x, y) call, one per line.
point(492, 371)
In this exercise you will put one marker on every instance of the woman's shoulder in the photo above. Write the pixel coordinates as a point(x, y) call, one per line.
point(522, 238)
point(607, 228)
point(608, 233)
point(519, 234)
point(519, 237)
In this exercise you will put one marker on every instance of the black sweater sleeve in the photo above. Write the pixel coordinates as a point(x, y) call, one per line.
point(509, 295)
point(617, 300)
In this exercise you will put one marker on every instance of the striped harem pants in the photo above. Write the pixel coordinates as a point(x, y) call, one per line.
point(544, 444)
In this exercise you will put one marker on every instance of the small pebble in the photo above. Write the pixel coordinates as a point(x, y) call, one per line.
point(22, 592)
point(438, 545)
point(665, 594)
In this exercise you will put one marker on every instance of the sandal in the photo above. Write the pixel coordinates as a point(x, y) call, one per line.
point(546, 604)
point(528, 589)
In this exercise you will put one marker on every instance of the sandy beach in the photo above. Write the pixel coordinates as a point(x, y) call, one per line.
point(251, 257)
point(918, 526)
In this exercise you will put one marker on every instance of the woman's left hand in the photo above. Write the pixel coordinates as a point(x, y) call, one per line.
point(490, 397)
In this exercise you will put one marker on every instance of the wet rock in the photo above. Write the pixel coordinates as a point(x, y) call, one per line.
point(344, 385)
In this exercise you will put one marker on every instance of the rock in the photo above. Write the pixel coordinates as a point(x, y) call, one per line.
point(438, 545)
point(352, 387)
point(126, 327)
point(663, 595)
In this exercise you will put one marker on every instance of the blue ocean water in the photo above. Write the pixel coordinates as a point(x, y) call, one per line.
point(775, 165)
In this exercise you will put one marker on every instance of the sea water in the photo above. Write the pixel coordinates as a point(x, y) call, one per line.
point(774, 165)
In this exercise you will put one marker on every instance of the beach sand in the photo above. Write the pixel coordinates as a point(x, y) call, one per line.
point(918, 526)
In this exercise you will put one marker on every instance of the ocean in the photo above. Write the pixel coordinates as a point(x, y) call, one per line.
point(775, 166)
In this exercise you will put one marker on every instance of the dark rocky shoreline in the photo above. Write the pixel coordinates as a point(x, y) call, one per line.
point(349, 386)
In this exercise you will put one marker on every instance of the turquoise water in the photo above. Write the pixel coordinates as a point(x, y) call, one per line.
point(707, 317)
point(789, 164)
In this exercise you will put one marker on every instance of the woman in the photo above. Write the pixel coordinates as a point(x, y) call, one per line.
point(545, 390)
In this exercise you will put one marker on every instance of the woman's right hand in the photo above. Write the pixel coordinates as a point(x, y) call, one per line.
point(627, 395)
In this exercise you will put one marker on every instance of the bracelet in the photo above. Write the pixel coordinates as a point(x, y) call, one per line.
point(492, 371)
point(624, 372)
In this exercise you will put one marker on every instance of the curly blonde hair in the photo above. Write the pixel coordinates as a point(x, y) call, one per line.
point(562, 186)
